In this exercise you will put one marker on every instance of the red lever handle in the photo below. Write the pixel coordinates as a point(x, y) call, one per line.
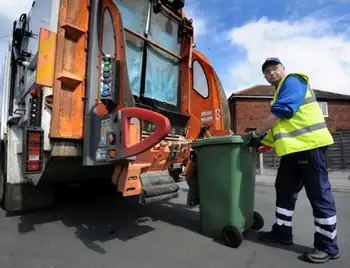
point(162, 129)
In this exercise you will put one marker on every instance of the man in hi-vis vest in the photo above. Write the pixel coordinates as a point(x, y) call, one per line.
point(297, 131)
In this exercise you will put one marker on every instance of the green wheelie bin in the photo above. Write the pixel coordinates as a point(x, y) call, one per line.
point(226, 169)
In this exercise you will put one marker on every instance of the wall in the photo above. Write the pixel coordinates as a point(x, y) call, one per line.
point(339, 115)
point(250, 112)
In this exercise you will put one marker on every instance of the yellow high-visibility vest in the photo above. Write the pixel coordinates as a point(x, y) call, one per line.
point(305, 130)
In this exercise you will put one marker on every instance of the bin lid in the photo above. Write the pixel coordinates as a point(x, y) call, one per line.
point(218, 140)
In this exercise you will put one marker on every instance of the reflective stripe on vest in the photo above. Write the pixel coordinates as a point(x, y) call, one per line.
point(300, 131)
point(309, 100)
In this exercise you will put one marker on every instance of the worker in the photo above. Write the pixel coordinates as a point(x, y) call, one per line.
point(297, 131)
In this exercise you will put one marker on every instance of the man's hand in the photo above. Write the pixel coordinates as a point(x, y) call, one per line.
point(257, 134)
point(254, 138)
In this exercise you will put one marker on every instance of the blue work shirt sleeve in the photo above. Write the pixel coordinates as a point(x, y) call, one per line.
point(291, 96)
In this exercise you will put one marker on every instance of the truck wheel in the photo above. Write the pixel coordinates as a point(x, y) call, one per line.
point(232, 236)
point(258, 221)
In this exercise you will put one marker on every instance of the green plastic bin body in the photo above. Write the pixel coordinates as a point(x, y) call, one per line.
point(226, 179)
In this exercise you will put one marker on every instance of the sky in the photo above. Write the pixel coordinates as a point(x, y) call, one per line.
point(10, 10)
point(310, 36)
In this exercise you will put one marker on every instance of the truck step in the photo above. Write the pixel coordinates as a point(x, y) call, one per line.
point(159, 198)
point(157, 187)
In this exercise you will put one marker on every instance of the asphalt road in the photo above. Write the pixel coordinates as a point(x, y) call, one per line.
point(101, 231)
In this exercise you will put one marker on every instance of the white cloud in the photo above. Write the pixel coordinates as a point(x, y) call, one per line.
point(199, 23)
point(10, 10)
point(304, 46)
point(14, 8)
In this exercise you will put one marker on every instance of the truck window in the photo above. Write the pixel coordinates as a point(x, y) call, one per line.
point(200, 82)
point(108, 44)
point(162, 71)
point(134, 16)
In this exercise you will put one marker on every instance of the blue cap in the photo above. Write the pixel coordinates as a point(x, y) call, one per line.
point(270, 60)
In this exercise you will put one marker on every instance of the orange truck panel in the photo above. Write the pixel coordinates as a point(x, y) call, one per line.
point(127, 178)
point(70, 66)
point(118, 32)
point(46, 58)
point(199, 108)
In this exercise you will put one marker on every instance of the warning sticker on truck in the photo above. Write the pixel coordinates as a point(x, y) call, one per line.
point(206, 119)
point(206, 116)
point(103, 131)
point(206, 113)
point(101, 154)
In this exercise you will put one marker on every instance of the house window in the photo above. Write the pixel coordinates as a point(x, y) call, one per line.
point(324, 108)
point(200, 83)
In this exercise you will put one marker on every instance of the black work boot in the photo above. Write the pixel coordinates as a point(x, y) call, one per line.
point(319, 256)
point(277, 236)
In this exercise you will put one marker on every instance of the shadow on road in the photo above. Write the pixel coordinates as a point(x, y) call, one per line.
point(253, 236)
point(100, 215)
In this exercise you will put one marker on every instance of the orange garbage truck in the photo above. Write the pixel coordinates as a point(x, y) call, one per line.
point(104, 90)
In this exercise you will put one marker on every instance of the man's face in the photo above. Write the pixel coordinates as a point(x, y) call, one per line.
point(273, 73)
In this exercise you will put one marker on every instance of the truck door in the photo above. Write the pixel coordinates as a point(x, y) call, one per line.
point(109, 122)
point(207, 100)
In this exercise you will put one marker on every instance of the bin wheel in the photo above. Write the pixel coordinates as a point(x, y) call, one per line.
point(232, 236)
point(258, 221)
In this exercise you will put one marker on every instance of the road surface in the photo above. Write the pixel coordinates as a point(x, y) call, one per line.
point(102, 231)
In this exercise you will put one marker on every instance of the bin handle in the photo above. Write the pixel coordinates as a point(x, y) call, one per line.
point(262, 149)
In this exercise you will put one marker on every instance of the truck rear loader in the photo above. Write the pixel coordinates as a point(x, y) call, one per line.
point(104, 89)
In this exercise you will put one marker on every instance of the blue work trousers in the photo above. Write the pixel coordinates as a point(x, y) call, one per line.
point(308, 169)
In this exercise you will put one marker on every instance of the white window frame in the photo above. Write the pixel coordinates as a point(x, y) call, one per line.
point(325, 105)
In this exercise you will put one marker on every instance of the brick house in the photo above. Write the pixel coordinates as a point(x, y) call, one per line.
point(250, 106)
